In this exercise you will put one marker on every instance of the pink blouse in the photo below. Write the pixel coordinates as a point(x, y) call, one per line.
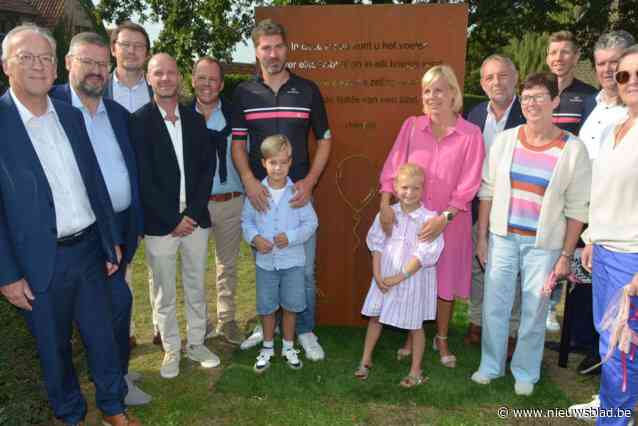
point(452, 169)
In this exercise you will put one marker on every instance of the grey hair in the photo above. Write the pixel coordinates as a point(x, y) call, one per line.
point(631, 50)
point(499, 58)
point(614, 40)
point(87, 38)
point(8, 39)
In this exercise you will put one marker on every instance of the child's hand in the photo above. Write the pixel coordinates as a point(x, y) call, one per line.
point(281, 240)
point(393, 280)
point(262, 245)
point(382, 287)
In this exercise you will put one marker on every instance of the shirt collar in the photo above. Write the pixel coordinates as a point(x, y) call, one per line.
point(507, 111)
point(599, 100)
point(161, 110)
point(460, 126)
point(415, 214)
point(76, 102)
point(218, 107)
point(24, 112)
point(117, 81)
point(288, 182)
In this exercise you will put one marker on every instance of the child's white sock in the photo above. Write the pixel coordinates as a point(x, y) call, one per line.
point(287, 344)
point(268, 344)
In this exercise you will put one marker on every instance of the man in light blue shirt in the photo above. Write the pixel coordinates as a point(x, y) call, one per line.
point(227, 194)
point(107, 125)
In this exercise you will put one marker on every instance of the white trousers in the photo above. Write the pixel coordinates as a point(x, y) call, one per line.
point(161, 255)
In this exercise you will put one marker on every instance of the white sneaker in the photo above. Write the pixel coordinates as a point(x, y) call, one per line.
point(201, 354)
point(170, 365)
point(552, 324)
point(254, 339)
point(523, 389)
point(586, 412)
point(293, 361)
point(133, 376)
point(263, 360)
point(310, 343)
point(477, 377)
point(135, 395)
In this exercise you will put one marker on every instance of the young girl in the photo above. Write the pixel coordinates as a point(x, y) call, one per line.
point(403, 289)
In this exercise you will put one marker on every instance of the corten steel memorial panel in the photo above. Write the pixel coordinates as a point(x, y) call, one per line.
point(368, 62)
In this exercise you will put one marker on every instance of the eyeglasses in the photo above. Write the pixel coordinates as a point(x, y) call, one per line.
point(128, 46)
point(28, 59)
point(90, 63)
point(537, 99)
point(622, 77)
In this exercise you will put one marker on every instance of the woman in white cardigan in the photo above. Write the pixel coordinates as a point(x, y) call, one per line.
point(534, 201)
point(611, 250)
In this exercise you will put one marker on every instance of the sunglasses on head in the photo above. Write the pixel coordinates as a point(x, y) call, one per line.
point(622, 77)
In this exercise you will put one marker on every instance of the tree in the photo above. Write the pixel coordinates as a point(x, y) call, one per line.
point(190, 27)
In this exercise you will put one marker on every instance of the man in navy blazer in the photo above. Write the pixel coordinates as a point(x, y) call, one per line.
point(107, 123)
point(58, 235)
point(503, 111)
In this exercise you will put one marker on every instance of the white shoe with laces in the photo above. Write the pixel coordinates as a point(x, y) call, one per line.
point(586, 412)
point(310, 344)
point(170, 365)
point(202, 355)
point(292, 359)
point(254, 339)
point(263, 360)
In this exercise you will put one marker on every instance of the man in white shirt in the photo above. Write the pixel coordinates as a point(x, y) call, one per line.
point(604, 109)
point(503, 111)
point(58, 234)
point(176, 166)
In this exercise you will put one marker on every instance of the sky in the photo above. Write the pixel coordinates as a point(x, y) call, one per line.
point(244, 52)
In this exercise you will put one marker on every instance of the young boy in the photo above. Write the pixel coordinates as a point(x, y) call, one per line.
point(278, 235)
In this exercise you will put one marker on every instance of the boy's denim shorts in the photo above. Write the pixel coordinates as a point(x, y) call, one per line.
point(283, 287)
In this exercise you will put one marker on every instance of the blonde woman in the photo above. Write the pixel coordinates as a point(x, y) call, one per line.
point(450, 150)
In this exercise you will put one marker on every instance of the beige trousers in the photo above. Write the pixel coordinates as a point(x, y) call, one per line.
point(161, 255)
point(226, 232)
point(476, 295)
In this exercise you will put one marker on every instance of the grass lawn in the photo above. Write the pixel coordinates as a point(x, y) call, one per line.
point(323, 393)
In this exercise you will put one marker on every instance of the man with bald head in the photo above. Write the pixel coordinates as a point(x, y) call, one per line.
point(176, 166)
point(58, 234)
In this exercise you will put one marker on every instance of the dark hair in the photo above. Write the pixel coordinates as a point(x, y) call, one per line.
point(544, 79)
point(131, 26)
point(267, 27)
point(210, 60)
point(87, 38)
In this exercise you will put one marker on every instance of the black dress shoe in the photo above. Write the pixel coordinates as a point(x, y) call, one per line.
point(590, 365)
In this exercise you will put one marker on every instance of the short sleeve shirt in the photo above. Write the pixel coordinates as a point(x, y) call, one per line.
point(259, 113)
point(569, 113)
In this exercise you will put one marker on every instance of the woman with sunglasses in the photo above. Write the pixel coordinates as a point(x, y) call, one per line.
point(534, 197)
point(611, 252)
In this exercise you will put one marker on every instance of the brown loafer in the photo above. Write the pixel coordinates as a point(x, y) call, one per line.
point(473, 336)
point(121, 419)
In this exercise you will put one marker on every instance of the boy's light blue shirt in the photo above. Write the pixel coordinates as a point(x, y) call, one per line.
point(297, 223)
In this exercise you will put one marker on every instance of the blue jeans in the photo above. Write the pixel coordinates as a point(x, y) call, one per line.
point(306, 319)
point(611, 272)
point(507, 256)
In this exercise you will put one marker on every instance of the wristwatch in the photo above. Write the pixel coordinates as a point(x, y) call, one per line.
point(448, 215)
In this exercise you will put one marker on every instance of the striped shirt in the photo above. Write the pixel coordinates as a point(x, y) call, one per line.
point(292, 111)
point(568, 115)
point(531, 171)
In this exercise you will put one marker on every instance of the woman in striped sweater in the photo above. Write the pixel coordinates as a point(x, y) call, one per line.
point(534, 201)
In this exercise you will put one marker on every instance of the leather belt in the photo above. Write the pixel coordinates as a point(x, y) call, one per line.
point(73, 239)
point(220, 198)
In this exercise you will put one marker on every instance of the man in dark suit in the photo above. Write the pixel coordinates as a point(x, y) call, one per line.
point(107, 123)
point(176, 166)
point(503, 111)
point(58, 235)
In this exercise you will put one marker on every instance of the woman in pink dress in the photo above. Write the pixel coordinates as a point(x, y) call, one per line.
point(450, 150)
